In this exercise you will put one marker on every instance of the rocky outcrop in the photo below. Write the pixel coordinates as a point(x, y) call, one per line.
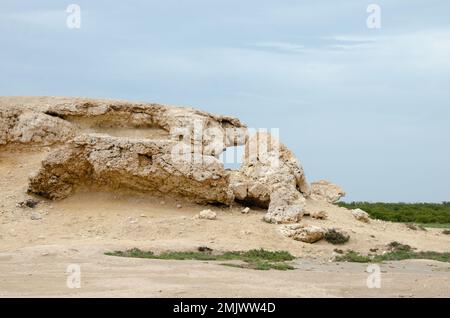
point(139, 165)
point(326, 191)
point(178, 157)
point(50, 120)
point(271, 177)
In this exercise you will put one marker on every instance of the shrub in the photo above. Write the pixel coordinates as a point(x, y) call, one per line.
point(397, 252)
point(404, 212)
point(334, 236)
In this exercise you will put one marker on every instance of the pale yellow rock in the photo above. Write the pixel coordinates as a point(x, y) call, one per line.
point(49, 120)
point(207, 214)
point(271, 177)
point(139, 165)
point(361, 215)
point(326, 191)
point(304, 233)
point(245, 210)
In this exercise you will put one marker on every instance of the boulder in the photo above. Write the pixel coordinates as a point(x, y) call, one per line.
point(361, 215)
point(207, 214)
point(304, 233)
point(326, 191)
point(286, 206)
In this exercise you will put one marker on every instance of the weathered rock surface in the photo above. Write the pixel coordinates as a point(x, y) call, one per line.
point(326, 191)
point(30, 127)
point(361, 215)
point(139, 165)
point(286, 206)
point(304, 233)
point(50, 120)
point(271, 177)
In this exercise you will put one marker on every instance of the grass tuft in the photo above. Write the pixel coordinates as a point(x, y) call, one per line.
point(352, 256)
point(256, 259)
point(397, 252)
point(333, 236)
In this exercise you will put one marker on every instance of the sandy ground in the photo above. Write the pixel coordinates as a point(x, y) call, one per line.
point(34, 254)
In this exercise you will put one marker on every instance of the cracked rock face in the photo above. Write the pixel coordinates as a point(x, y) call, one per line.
point(271, 177)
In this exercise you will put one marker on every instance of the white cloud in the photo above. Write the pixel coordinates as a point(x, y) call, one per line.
point(281, 46)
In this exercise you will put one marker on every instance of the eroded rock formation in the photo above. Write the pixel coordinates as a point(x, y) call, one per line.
point(155, 148)
point(271, 177)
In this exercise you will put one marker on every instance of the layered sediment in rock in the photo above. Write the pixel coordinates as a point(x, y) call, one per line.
point(50, 120)
point(139, 165)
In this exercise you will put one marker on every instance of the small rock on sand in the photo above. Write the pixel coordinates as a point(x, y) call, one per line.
point(35, 216)
point(361, 215)
point(246, 210)
point(207, 214)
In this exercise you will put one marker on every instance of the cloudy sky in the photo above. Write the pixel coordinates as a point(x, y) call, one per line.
point(366, 108)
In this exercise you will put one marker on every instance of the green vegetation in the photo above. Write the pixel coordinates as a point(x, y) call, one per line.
point(255, 259)
point(397, 252)
point(405, 212)
point(436, 225)
point(335, 237)
point(352, 256)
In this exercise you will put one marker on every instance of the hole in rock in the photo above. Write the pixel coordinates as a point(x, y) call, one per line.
point(231, 157)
